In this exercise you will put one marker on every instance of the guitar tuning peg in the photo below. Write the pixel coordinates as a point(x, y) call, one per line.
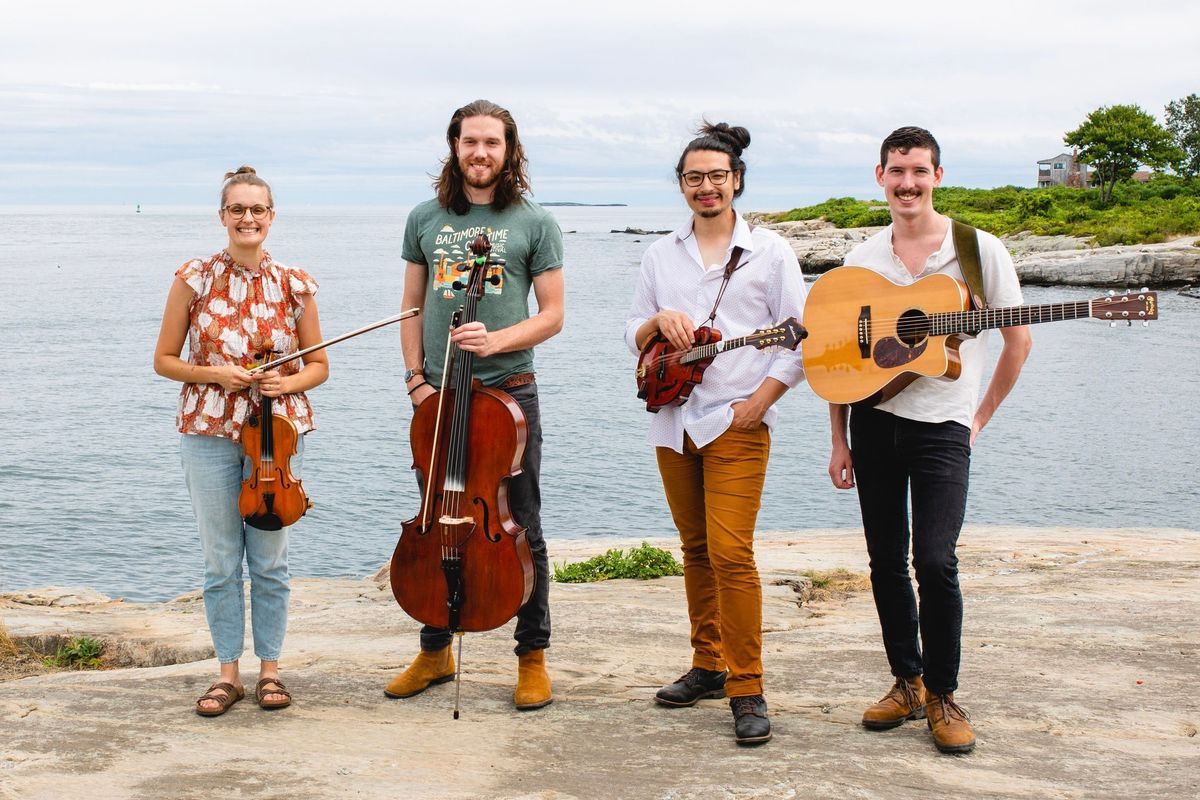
point(1112, 293)
point(1145, 289)
point(1145, 324)
point(1112, 324)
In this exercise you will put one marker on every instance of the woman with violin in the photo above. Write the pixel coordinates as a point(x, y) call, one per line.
point(234, 309)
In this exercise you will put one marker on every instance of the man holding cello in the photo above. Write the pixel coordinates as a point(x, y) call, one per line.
point(481, 190)
point(712, 450)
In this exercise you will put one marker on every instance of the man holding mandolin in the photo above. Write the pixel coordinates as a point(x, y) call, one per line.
point(716, 272)
point(917, 443)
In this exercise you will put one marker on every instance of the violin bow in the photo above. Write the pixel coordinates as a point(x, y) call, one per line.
point(412, 312)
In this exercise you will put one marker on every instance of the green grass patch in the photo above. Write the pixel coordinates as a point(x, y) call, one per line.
point(1165, 208)
point(641, 562)
point(82, 652)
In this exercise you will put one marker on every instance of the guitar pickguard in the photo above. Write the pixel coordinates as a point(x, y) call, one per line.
point(891, 353)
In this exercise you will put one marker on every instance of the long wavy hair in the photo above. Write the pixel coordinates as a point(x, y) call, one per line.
point(513, 180)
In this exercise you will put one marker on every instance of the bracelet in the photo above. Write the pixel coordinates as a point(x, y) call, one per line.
point(418, 386)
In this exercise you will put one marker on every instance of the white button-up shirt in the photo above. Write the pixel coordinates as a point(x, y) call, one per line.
point(933, 399)
point(766, 289)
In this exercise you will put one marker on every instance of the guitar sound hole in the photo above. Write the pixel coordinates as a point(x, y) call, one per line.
point(912, 327)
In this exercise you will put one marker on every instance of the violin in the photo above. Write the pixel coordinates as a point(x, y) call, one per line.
point(271, 497)
point(463, 563)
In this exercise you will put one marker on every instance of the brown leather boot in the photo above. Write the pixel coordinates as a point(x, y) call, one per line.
point(951, 725)
point(428, 668)
point(533, 684)
point(905, 701)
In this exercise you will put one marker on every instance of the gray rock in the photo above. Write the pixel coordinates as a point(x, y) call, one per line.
point(1040, 260)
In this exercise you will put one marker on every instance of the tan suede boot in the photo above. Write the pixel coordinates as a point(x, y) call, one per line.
point(533, 684)
point(428, 668)
point(905, 701)
point(951, 726)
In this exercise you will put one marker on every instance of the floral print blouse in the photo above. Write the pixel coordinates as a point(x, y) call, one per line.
point(236, 311)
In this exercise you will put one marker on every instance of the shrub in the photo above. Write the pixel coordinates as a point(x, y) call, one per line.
point(82, 652)
point(642, 563)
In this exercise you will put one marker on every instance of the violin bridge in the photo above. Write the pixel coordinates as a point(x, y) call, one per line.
point(444, 520)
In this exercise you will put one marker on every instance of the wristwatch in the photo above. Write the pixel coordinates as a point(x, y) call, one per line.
point(409, 374)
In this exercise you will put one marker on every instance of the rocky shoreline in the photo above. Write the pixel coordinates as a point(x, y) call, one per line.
point(1079, 656)
point(1040, 260)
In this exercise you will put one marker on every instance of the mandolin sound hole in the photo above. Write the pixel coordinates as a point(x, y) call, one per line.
point(913, 327)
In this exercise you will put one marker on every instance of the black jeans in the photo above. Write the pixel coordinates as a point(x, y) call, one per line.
point(893, 458)
point(525, 503)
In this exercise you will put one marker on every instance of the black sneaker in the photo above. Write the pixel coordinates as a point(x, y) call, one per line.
point(691, 688)
point(750, 723)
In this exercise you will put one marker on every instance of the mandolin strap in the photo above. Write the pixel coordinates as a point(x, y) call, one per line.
point(730, 268)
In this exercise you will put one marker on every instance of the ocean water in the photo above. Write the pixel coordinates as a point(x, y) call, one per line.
point(1100, 431)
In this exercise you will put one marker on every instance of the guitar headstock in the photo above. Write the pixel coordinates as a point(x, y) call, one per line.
point(1141, 306)
point(787, 334)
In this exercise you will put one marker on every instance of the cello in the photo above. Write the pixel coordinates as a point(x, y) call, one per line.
point(463, 562)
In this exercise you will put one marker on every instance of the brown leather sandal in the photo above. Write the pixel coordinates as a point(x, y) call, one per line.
point(280, 689)
point(231, 694)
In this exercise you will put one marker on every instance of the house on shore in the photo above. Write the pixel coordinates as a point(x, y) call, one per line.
point(1063, 170)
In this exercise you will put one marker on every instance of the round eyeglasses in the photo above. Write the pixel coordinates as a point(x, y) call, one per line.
point(716, 177)
point(238, 210)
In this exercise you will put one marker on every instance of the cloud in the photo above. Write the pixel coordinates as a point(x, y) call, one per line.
point(350, 103)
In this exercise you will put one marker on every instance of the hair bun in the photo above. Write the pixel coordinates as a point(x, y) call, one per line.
point(736, 137)
point(242, 170)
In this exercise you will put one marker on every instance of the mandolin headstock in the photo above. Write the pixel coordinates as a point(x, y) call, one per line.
point(1140, 306)
point(788, 333)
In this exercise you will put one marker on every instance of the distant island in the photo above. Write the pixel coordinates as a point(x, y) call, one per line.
point(589, 205)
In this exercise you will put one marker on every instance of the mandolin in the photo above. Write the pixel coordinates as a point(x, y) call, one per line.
point(869, 337)
point(666, 375)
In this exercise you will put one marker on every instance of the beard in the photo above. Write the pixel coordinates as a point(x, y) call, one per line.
point(476, 181)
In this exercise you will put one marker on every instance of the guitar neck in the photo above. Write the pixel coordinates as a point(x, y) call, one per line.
point(952, 322)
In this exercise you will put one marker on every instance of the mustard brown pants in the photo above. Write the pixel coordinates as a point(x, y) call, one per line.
point(714, 493)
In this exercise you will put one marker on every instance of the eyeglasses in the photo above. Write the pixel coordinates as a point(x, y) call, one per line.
point(258, 212)
point(716, 177)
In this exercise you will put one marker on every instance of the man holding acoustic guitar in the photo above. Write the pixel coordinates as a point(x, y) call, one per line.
point(716, 275)
point(916, 441)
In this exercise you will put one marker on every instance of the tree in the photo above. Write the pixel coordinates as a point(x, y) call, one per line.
point(1116, 140)
point(1183, 122)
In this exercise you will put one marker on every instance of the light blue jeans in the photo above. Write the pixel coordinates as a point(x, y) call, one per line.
point(213, 468)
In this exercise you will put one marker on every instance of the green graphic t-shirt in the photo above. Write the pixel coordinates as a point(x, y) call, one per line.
point(524, 234)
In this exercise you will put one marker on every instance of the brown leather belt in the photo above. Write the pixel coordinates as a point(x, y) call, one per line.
point(520, 379)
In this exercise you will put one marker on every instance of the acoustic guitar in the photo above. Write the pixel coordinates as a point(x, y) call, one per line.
point(666, 375)
point(869, 337)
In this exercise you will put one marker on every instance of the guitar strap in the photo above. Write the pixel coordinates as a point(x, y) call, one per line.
point(966, 247)
point(730, 268)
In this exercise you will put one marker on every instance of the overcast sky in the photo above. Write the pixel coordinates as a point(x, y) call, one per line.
point(346, 102)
